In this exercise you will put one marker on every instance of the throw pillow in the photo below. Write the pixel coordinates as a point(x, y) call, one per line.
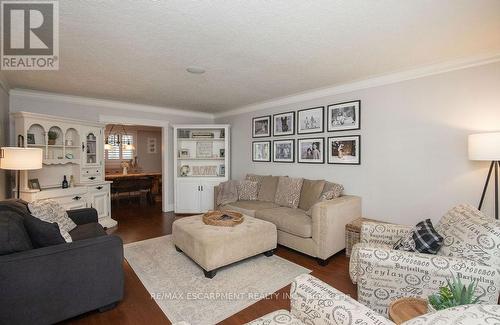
point(268, 187)
point(51, 211)
point(43, 233)
point(255, 178)
point(422, 239)
point(288, 192)
point(470, 234)
point(330, 192)
point(310, 193)
point(13, 235)
point(247, 191)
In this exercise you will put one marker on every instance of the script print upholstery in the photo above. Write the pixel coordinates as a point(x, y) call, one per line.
point(50, 211)
point(470, 234)
point(384, 274)
point(462, 315)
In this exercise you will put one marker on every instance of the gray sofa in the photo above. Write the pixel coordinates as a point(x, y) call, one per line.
point(45, 285)
point(315, 228)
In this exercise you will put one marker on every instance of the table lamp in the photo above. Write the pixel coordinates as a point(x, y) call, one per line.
point(486, 147)
point(18, 158)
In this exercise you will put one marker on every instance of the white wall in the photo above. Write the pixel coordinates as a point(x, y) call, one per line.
point(92, 110)
point(414, 144)
point(149, 162)
point(4, 134)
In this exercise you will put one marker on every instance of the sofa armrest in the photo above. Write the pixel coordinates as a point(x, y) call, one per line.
point(58, 282)
point(328, 223)
point(382, 233)
point(83, 216)
point(385, 275)
point(315, 302)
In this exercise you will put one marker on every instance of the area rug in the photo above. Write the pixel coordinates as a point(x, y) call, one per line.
point(183, 293)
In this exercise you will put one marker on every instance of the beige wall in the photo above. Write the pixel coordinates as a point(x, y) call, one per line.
point(413, 144)
point(4, 133)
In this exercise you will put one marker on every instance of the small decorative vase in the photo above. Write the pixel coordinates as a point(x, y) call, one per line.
point(125, 171)
point(52, 142)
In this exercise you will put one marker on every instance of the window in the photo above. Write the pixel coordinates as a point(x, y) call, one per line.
point(117, 151)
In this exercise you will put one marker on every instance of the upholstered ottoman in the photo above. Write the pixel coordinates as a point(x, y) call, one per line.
point(212, 247)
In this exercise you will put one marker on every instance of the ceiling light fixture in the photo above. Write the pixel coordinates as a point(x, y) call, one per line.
point(195, 70)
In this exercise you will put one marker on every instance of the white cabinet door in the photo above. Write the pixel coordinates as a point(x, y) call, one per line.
point(187, 196)
point(92, 145)
point(81, 204)
point(207, 196)
point(99, 199)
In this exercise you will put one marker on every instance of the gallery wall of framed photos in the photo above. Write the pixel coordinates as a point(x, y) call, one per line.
point(307, 146)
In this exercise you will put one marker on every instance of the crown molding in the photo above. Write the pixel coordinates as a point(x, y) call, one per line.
point(118, 105)
point(377, 81)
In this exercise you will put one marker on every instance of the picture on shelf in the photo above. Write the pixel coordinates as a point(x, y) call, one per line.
point(261, 151)
point(284, 151)
point(204, 149)
point(261, 126)
point(311, 150)
point(34, 184)
point(344, 150)
point(310, 120)
point(222, 153)
point(222, 170)
point(30, 138)
point(184, 153)
point(284, 124)
point(184, 134)
point(344, 116)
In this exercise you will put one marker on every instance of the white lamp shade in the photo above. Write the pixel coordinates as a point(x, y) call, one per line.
point(484, 146)
point(15, 158)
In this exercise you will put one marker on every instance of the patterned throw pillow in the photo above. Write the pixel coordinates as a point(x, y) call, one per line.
point(470, 234)
point(288, 192)
point(51, 211)
point(330, 192)
point(247, 190)
point(422, 239)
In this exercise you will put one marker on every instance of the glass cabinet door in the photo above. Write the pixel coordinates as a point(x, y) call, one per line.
point(90, 150)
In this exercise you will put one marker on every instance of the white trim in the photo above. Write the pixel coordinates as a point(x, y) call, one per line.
point(108, 103)
point(165, 125)
point(386, 79)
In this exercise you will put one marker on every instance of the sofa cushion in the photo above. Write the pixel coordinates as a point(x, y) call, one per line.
point(288, 192)
point(247, 190)
point(255, 178)
point(470, 234)
point(331, 191)
point(267, 190)
point(292, 221)
point(43, 233)
point(13, 235)
point(249, 207)
point(88, 230)
point(310, 193)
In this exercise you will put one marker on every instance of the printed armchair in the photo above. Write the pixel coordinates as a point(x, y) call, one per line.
point(469, 252)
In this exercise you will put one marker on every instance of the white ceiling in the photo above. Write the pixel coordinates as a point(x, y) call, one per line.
point(253, 50)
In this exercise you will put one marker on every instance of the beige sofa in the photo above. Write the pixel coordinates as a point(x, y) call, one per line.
point(320, 234)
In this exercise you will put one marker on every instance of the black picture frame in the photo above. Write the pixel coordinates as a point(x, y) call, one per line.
point(357, 113)
point(253, 151)
point(34, 184)
point(292, 155)
point(356, 138)
point(269, 121)
point(319, 139)
point(301, 111)
point(292, 124)
point(30, 138)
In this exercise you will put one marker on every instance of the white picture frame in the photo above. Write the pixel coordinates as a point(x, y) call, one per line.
point(152, 146)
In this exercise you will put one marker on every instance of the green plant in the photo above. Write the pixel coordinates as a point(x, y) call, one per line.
point(454, 294)
point(53, 135)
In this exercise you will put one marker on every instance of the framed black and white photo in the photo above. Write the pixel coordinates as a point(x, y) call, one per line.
point(284, 124)
point(261, 151)
point(344, 116)
point(34, 184)
point(310, 120)
point(261, 126)
point(344, 150)
point(311, 151)
point(284, 151)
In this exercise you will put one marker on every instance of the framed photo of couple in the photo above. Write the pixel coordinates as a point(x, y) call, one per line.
point(311, 151)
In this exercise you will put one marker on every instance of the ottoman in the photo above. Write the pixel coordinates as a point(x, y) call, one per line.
point(212, 247)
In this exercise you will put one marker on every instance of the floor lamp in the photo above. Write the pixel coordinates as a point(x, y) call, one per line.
point(20, 158)
point(486, 147)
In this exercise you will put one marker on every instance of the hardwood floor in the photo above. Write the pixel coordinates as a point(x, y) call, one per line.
point(138, 223)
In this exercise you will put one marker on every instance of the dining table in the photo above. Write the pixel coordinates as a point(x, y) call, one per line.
point(134, 178)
